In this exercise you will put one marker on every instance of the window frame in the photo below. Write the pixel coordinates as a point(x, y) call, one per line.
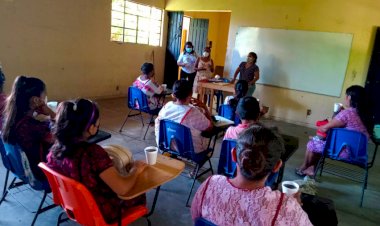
point(151, 32)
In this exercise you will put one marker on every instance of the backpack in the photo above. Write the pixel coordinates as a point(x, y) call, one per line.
point(121, 157)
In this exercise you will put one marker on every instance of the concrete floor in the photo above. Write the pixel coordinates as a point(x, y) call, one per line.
point(170, 210)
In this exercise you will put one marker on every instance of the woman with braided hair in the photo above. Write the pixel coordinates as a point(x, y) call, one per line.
point(245, 200)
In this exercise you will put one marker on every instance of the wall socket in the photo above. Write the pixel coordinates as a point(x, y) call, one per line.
point(308, 112)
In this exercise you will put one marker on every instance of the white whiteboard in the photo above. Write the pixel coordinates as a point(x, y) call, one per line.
point(301, 60)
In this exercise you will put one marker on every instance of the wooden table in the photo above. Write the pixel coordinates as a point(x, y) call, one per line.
point(165, 170)
point(226, 87)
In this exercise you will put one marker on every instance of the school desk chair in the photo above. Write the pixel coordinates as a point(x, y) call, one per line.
point(350, 147)
point(176, 139)
point(138, 101)
point(16, 162)
point(80, 205)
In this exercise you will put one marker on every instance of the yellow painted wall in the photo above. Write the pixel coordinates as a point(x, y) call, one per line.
point(358, 17)
point(217, 33)
point(67, 44)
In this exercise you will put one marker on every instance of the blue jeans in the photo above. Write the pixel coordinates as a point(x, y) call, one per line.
point(251, 90)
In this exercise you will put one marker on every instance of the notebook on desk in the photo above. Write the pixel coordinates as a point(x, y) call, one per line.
point(222, 122)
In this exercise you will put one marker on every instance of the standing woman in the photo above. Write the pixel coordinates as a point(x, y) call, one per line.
point(187, 61)
point(249, 72)
point(204, 67)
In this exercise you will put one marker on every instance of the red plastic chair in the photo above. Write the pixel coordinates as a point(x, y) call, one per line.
point(79, 203)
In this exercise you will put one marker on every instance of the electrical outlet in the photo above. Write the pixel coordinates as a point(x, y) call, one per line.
point(308, 112)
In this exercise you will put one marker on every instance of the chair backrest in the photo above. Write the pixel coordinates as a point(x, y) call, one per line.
point(176, 138)
point(4, 157)
point(226, 111)
point(354, 142)
point(74, 198)
point(226, 165)
point(200, 221)
point(19, 166)
point(137, 100)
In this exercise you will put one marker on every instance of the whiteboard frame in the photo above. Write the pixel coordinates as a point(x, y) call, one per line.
point(286, 49)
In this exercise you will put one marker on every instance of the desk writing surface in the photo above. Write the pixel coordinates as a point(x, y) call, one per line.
point(226, 87)
point(153, 176)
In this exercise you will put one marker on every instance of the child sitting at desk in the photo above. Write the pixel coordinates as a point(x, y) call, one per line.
point(148, 86)
point(88, 163)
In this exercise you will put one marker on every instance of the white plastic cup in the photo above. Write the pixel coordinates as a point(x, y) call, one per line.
point(52, 105)
point(289, 187)
point(164, 86)
point(151, 155)
point(337, 106)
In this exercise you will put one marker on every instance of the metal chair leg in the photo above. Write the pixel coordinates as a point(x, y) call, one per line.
point(212, 171)
point(61, 220)
point(6, 182)
point(6, 191)
point(147, 128)
point(39, 209)
point(192, 186)
point(364, 187)
point(121, 129)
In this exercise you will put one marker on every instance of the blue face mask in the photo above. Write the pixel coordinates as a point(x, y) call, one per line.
point(189, 50)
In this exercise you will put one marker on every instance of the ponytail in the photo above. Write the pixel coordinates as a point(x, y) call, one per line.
point(258, 151)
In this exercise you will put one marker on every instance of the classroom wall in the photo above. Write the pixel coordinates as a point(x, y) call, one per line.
point(67, 44)
point(217, 33)
point(358, 17)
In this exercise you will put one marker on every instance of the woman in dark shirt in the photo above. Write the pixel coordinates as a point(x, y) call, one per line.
point(23, 124)
point(249, 72)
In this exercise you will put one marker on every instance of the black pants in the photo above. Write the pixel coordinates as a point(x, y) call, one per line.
point(190, 77)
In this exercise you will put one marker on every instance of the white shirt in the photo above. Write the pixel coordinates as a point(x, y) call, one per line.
point(188, 59)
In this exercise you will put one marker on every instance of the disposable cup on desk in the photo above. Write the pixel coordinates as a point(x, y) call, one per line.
point(164, 86)
point(151, 155)
point(337, 107)
point(52, 105)
point(289, 187)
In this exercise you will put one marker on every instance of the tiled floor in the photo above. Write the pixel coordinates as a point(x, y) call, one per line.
point(21, 203)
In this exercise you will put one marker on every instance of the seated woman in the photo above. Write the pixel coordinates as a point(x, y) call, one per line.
point(241, 89)
point(188, 112)
point(22, 122)
point(245, 199)
point(146, 83)
point(354, 117)
point(87, 163)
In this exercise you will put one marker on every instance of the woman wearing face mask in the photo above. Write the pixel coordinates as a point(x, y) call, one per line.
point(204, 67)
point(187, 61)
point(249, 72)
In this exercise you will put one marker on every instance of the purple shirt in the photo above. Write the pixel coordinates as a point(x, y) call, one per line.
point(247, 74)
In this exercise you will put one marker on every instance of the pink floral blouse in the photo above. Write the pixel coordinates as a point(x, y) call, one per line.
point(224, 204)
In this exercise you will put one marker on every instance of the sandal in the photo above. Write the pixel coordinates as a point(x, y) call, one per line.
point(300, 172)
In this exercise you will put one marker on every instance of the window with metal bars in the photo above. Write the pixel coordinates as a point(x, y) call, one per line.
point(136, 23)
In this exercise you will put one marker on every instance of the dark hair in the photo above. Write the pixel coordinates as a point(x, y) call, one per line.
point(18, 103)
point(248, 108)
point(241, 89)
point(182, 89)
point(258, 150)
point(254, 56)
point(72, 120)
point(358, 100)
point(2, 80)
point(146, 68)
point(190, 44)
